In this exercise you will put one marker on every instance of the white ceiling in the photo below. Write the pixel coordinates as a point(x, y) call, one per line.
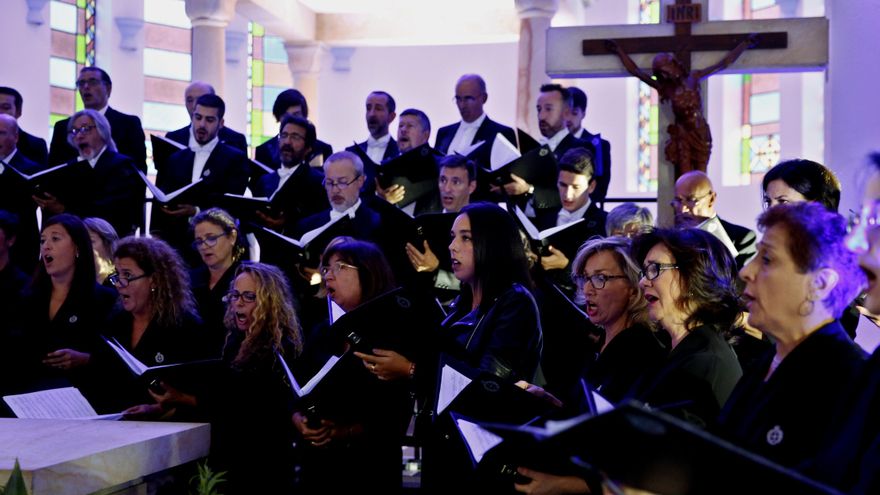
point(367, 6)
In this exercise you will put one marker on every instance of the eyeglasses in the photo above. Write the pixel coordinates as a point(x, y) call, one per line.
point(653, 270)
point(597, 281)
point(235, 295)
point(209, 241)
point(868, 217)
point(122, 282)
point(341, 183)
point(81, 130)
point(82, 83)
point(689, 202)
point(284, 136)
point(335, 268)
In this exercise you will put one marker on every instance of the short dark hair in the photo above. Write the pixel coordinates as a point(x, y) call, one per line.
point(563, 91)
point(577, 98)
point(374, 271)
point(392, 105)
point(423, 117)
point(16, 96)
point(289, 98)
point(311, 134)
point(499, 255)
point(577, 161)
point(815, 240)
point(212, 101)
point(9, 223)
point(458, 161)
point(813, 180)
point(104, 76)
point(708, 274)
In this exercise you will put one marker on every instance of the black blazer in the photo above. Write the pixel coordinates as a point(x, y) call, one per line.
point(618, 367)
point(269, 155)
point(744, 240)
point(601, 150)
point(226, 171)
point(695, 379)
point(33, 147)
point(227, 136)
point(366, 224)
point(15, 197)
point(125, 129)
point(112, 191)
point(302, 195)
point(390, 151)
point(786, 418)
point(487, 131)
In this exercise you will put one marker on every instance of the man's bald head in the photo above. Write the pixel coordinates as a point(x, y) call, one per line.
point(694, 199)
point(8, 134)
point(193, 92)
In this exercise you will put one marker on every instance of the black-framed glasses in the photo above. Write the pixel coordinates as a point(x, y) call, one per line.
point(335, 268)
point(284, 136)
point(341, 183)
point(93, 81)
point(598, 281)
point(653, 270)
point(122, 282)
point(246, 296)
point(209, 241)
point(81, 130)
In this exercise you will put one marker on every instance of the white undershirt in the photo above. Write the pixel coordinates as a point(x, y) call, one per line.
point(464, 135)
point(202, 155)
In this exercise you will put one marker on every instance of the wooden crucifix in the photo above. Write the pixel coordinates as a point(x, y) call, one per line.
point(782, 45)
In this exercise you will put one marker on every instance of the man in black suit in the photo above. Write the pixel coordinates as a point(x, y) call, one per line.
point(290, 102)
point(30, 146)
point(94, 87)
point(222, 168)
point(574, 185)
point(15, 196)
point(295, 189)
point(185, 136)
point(99, 182)
point(600, 148)
point(380, 146)
point(694, 205)
point(475, 125)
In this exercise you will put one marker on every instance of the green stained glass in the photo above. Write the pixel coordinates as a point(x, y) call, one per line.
point(654, 13)
point(81, 4)
point(746, 156)
point(655, 123)
point(79, 102)
point(80, 49)
point(55, 117)
point(257, 73)
point(259, 30)
point(256, 124)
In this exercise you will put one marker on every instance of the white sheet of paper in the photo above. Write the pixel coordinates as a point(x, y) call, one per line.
point(128, 358)
point(335, 310)
point(58, 403)
point(478, 440)
point(503, 152)
point(452, 382)
point(602, 404)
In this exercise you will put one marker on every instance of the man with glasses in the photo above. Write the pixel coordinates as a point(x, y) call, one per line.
point(94, 87)
point(222, 168)
point(475, 125)
point(694, 206)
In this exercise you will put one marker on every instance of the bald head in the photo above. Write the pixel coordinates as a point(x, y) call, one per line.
point(193, 92)
point(8, 135)
point(470, 96)
point(694, 199)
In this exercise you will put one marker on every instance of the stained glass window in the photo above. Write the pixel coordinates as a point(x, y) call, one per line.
point(167, 67)
point(761, 107)
point(72, 24)
point(648, 114)
point(268, 75)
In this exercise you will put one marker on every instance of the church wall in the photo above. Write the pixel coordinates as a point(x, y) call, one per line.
point(24, 53)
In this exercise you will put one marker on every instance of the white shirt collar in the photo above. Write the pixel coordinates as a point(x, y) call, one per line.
point(381, 142)
point(206, 148)
point(93, 161)
point(557, 138)
point(103, 111)
point(350, 212)
point(476, 123)
point(7, 159)
point(285, 172)
point(565, 217)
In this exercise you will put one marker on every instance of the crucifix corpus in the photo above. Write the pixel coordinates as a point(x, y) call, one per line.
point(669, 51)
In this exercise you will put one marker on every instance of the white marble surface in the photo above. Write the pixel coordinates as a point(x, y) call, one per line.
point(68, 457)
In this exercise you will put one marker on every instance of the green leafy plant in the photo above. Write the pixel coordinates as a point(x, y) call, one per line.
point(206, 480)
point(15, 485)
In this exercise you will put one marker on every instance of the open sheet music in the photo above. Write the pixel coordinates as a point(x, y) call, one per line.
point(302, 391)
point(58, 403)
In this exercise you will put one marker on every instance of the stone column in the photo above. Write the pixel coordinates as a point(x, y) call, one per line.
point(535, 16)
point(304, 61)
point(851, 102)
point(209, 19)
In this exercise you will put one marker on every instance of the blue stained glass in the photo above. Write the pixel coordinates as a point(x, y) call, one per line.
point(167, 64)
point(62, 73)
point(273, 50)
point(764, 108)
